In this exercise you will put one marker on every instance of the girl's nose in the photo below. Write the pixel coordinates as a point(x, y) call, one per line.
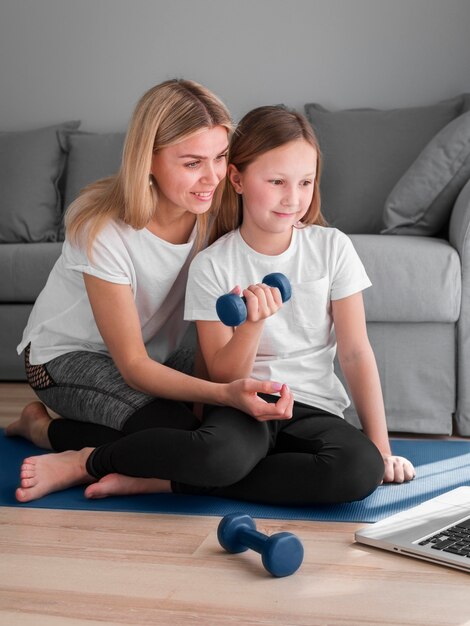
point(291, 197)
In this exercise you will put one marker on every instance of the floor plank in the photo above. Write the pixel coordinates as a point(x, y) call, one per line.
point(83, 567)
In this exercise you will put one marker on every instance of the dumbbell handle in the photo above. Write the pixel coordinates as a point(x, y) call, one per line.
point(252, 539)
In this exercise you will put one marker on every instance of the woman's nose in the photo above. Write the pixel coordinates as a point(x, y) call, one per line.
point(210, 175)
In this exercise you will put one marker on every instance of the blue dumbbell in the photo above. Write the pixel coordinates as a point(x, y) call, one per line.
point(282, 554)
point(231, 308)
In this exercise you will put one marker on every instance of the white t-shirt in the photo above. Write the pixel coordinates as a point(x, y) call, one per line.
point(62, 320)
point(298, 343)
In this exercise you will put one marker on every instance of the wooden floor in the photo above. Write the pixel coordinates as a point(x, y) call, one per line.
point(59, 568)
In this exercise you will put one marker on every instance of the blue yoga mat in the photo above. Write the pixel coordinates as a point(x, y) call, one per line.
point(440, 466)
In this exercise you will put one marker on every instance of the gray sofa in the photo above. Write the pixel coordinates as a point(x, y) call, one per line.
point(396, 181)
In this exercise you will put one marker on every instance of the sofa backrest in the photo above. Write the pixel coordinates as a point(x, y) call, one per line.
point(366, 151)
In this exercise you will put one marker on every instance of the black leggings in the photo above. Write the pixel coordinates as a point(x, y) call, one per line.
point(313, 458)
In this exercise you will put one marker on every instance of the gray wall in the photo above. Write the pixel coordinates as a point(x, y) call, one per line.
point(92, 59)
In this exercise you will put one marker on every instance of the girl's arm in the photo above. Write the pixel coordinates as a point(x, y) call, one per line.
point(230, 353)
point(359, 367)
point(118, 322)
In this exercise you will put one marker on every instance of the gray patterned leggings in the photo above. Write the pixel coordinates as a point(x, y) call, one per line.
point(87, 386)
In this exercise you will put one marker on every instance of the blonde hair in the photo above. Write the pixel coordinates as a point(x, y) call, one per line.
point(165, 115)
point(259, 131)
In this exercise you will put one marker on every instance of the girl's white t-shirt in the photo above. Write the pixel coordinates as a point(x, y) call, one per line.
point(62, 320)
point(298, 343)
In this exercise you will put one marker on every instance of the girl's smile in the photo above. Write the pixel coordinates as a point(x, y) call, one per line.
point(277, 190)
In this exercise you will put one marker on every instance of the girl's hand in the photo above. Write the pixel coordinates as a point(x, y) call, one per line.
point(262, 301)
point(397, 469)
point(243, 395)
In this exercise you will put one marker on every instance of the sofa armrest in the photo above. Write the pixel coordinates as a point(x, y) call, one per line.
point(459, 238)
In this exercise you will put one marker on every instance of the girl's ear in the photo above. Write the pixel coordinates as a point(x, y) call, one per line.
point(235, 178)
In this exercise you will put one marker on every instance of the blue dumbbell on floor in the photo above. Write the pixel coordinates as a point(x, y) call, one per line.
point(231, 308)
point(282, 554)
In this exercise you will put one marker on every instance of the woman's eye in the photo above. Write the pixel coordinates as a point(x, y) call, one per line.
point(221, 157)
point(192, 164)
point(306, 183)
point(276, 181)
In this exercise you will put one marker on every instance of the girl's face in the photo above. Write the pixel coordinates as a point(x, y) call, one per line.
point(187, 173)
point(277, 187)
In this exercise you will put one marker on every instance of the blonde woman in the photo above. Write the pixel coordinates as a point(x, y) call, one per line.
point(111, 312)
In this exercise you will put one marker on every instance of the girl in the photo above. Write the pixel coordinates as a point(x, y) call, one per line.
point(273, 220)
point(111, 314)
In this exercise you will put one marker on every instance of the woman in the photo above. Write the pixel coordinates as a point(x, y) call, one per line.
point(111, 312)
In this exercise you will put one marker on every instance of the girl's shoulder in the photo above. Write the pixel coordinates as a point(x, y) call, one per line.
point(328, 235)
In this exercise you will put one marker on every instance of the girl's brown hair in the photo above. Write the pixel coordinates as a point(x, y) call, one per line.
point(165, 115)
point(259, 131)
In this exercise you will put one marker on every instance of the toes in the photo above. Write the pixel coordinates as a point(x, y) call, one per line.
point(21, 495)
point(27, 483)
point(27, 471)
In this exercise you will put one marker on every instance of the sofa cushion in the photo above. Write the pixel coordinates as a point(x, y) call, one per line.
point(366, 151)
point(25, 269)
point(31, 163)
point(90, 156)
point(422, 200)
point(414, 279)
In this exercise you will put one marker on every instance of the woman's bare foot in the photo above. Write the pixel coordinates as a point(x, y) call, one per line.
point(120, 485)
point(40, 475)
point(33, 425)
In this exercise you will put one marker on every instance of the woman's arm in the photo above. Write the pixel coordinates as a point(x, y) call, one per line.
point(359, 367)
point(117, 319)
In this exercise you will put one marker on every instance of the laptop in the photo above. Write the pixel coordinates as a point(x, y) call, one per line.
point(437, 530)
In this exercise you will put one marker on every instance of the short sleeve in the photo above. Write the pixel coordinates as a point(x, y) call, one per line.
point(109, 258)
point(349, 275)
point(203, 288)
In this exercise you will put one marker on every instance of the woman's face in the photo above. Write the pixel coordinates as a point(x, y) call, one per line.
point(187, 173)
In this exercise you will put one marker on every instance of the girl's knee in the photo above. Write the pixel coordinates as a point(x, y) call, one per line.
point(362, 470)
point(225, 465)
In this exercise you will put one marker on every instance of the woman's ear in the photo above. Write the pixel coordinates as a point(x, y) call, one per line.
point(235, 178)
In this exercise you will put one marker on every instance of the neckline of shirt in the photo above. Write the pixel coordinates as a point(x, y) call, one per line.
point(147, 233)
point(259, 255)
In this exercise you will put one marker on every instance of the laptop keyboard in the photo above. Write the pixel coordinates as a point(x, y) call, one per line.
point(455, 539)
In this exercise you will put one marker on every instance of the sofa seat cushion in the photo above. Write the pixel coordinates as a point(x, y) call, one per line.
point(414, 279)
point(25, 268)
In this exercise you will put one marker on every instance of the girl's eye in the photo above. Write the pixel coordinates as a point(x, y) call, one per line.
point(192, 165)
point(221, 157)
point(276, 181)
point(306, 183)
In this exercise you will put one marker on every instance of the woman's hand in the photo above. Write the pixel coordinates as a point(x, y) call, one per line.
point(243, 395)
point(397, 469)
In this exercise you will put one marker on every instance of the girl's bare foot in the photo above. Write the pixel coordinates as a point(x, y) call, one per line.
point(32, 425)
point(40, 475)
point(120, 485)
